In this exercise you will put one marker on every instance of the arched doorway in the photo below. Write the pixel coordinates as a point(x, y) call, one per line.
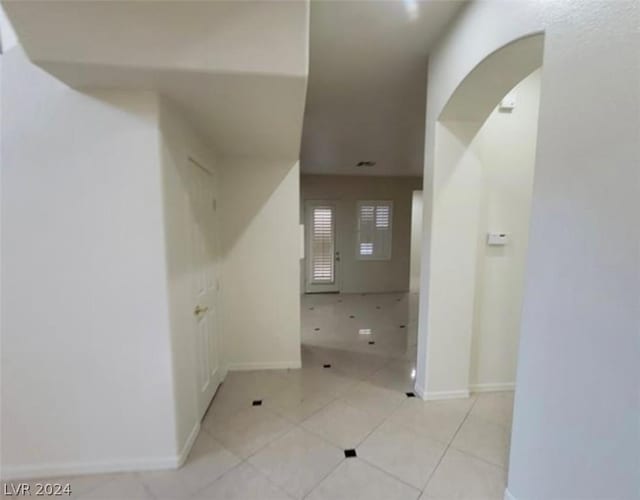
point(453, 348)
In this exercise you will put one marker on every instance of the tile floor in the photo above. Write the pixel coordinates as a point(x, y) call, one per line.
point(292, 446)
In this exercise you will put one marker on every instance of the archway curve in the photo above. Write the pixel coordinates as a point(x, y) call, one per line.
point(444, 353)
point(483, 87)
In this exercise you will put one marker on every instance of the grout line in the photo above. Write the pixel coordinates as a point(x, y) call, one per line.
point(469, 454)
point(320, 481)
point(202, 488)
point(399, 479)
point(449, 444)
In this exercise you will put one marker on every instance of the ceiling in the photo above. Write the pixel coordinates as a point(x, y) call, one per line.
point(238, 70)
point(367, 84)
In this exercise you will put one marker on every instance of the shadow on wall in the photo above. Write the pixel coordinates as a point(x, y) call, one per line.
point(248, 185)
point(258, 208)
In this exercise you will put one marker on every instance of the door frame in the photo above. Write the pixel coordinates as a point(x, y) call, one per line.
point(336, 286)
point(210, 300)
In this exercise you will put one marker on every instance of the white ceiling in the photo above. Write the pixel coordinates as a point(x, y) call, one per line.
point(237, 69)
point(367, 84)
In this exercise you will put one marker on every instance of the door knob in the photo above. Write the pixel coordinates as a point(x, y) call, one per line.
point(199, 310)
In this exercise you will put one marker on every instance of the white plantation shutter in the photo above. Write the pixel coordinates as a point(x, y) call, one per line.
point(374, 230)
point(322, 238)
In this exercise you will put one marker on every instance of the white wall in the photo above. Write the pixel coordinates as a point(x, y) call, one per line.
point(453, 249)
point(507, 144)
point(366, 276)
point(91, 224)
point(577, 397)
point(179, 141)
point(260, 297)
point(416, 242)
point(85, 335)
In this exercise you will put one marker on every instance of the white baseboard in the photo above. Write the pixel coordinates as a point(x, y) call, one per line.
point(12, 473)
point(420, 392)
point(493, 387)
point(188, 444)
point(508, 495)
point(81, 468)
point(277, 365)
point(434, 396)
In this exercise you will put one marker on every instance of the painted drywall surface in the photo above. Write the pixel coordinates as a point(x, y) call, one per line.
point(365, 276)
point(234, 37)
point(238, 69)
point(259, 292)
point(579, 329)
point(85, 334)
point(8, 37)
point(507, 153)
point(416, 241)
point(179, 142)
point(454, 229)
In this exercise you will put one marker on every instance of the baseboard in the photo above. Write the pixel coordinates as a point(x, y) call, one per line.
point(434, 396)
point(493, 387)
point(277, 365)
point(188, 444)
point(10, 473)
point(508, 495)
point(420, 392)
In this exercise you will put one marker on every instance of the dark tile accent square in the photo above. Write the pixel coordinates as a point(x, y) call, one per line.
point(402, 326)
point(326, 366)
point(311, 309)
point(377, 307)
point(410, 394)
point(352, 316)
point(371, 342)
point(350, 453)
point(257, 402)
point(316, 329)
point(339, 300)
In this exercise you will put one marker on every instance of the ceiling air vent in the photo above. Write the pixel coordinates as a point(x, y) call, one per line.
point(365, 164)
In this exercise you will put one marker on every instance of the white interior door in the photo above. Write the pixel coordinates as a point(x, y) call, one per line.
point(204, 253)
point(323, 257)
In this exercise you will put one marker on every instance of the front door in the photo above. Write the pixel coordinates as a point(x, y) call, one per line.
point(204, 271)
point(323, 258)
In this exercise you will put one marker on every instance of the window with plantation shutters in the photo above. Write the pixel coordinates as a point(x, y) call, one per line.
point(322, 245)
point(374, 230)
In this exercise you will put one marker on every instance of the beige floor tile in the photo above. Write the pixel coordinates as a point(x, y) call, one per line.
point(240, 389)
point(496, 407)
point(435, 419)
point(248, 431)
point(354, 479)
point(120, 487)
point(357, 365)
point(207, 461)
point(463, 477)
point(244, 482)
point(79, 485)
point(372, 399)
point(398, 375)
point(295, 406)
point(402, 453)
point(341, 424)
point(484, 440)
point(313, 380)
point(297, 461)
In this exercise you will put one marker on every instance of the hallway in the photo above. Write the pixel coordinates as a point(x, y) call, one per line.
point(381, 324)
point(292, 444)
point(282, 434)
